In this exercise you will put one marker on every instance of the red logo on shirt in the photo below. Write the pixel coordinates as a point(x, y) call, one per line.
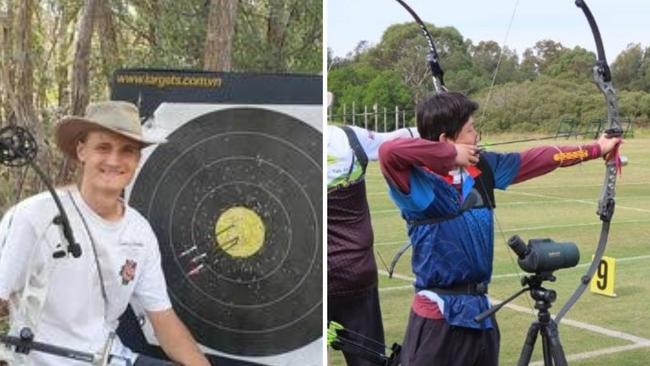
point(128, 271)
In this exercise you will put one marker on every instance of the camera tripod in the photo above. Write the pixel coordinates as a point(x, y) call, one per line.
point(544, 325)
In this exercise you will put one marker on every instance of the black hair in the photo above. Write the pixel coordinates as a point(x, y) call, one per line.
point(443, 113)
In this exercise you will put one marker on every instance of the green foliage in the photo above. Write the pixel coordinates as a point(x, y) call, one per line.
point(636, 105)
point(572, 64)
point(536, 106)
point(545, 52)
point(351, 81)
point(171, 34)
point(403, 49)
point(550, 82)
point(631, 71)
point(466, 81)
point(363, 84)
point(385, 90)
point(163, 33)
point(301, 51)
point(485, 59)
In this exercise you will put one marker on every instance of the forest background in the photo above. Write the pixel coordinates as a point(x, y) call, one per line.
point(57, 55)
point(527, 94)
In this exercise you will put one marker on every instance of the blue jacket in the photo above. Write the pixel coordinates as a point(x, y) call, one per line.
point(458, 250)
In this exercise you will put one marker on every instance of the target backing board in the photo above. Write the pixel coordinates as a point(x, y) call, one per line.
point(235, 199)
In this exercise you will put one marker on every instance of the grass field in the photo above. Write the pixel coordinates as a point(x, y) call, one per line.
point(598, 330)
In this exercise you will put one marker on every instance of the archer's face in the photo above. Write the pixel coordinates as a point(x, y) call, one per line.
point(468, 134)
point(109, 161)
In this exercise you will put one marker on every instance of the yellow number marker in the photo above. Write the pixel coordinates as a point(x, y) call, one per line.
point(603, 281)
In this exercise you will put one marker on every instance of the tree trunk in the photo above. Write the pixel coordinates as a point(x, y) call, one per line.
point(80, 82)
point(62, 66)
point(60, 62)
point(222, 17)
point(24, 84)
point(23, 91)
point(278, 20)
point(42, 61)
point(80, 79)
point(108, 41)
point(5, 52)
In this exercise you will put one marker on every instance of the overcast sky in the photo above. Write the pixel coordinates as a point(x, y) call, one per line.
point(620, 21)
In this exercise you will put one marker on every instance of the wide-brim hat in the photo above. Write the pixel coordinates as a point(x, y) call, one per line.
point(114, 116)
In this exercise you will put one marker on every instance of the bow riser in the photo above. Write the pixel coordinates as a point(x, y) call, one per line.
point(606, 87)
point(614, 129)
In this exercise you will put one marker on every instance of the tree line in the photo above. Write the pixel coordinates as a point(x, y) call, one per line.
point(530, 93)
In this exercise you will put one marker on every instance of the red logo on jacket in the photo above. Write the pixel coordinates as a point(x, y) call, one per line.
point(128, 271)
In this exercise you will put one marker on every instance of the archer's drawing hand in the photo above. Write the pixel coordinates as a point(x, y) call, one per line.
point(466, 155)
point(607, 144)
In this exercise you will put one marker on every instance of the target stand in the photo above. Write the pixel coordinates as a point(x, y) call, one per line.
point(235, 199)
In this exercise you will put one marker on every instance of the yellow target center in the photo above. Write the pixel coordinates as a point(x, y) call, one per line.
point(239, 231)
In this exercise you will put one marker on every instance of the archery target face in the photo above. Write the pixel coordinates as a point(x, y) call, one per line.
point(235, 199)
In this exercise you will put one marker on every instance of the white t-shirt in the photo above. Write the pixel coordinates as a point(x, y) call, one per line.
point(74, 313)
point(340, 153)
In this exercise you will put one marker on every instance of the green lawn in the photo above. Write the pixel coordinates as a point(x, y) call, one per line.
point(561, 206)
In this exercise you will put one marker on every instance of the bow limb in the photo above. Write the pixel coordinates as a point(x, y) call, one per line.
point(603, 80)
point(432, 56)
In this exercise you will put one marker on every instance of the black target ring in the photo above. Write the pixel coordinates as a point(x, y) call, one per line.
point(278, 223)
point(268, 164)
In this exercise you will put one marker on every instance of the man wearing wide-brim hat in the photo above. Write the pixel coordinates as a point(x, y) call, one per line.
point(120, 260)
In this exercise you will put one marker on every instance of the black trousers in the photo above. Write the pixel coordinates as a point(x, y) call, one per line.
point(430, 342)
point(360, 313)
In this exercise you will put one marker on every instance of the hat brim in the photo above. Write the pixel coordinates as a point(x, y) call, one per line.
point(71, 128)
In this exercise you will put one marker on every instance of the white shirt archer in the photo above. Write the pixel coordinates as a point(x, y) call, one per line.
point(74, 313)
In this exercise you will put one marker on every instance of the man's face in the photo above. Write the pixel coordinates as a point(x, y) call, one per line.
point(468, 135)
point(109, 160)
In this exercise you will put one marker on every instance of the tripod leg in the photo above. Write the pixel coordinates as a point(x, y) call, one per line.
point(555, 347)
point(547, 348)
point(529, 345)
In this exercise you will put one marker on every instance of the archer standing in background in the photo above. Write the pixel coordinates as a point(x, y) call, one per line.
point(445, 191)
point(352, 296)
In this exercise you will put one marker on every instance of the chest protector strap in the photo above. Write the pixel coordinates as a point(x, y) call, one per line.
point(359, 153)
point(481, 195)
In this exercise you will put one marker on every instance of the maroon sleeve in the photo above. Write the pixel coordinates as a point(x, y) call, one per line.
point(397, 157)
point(544, 159)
